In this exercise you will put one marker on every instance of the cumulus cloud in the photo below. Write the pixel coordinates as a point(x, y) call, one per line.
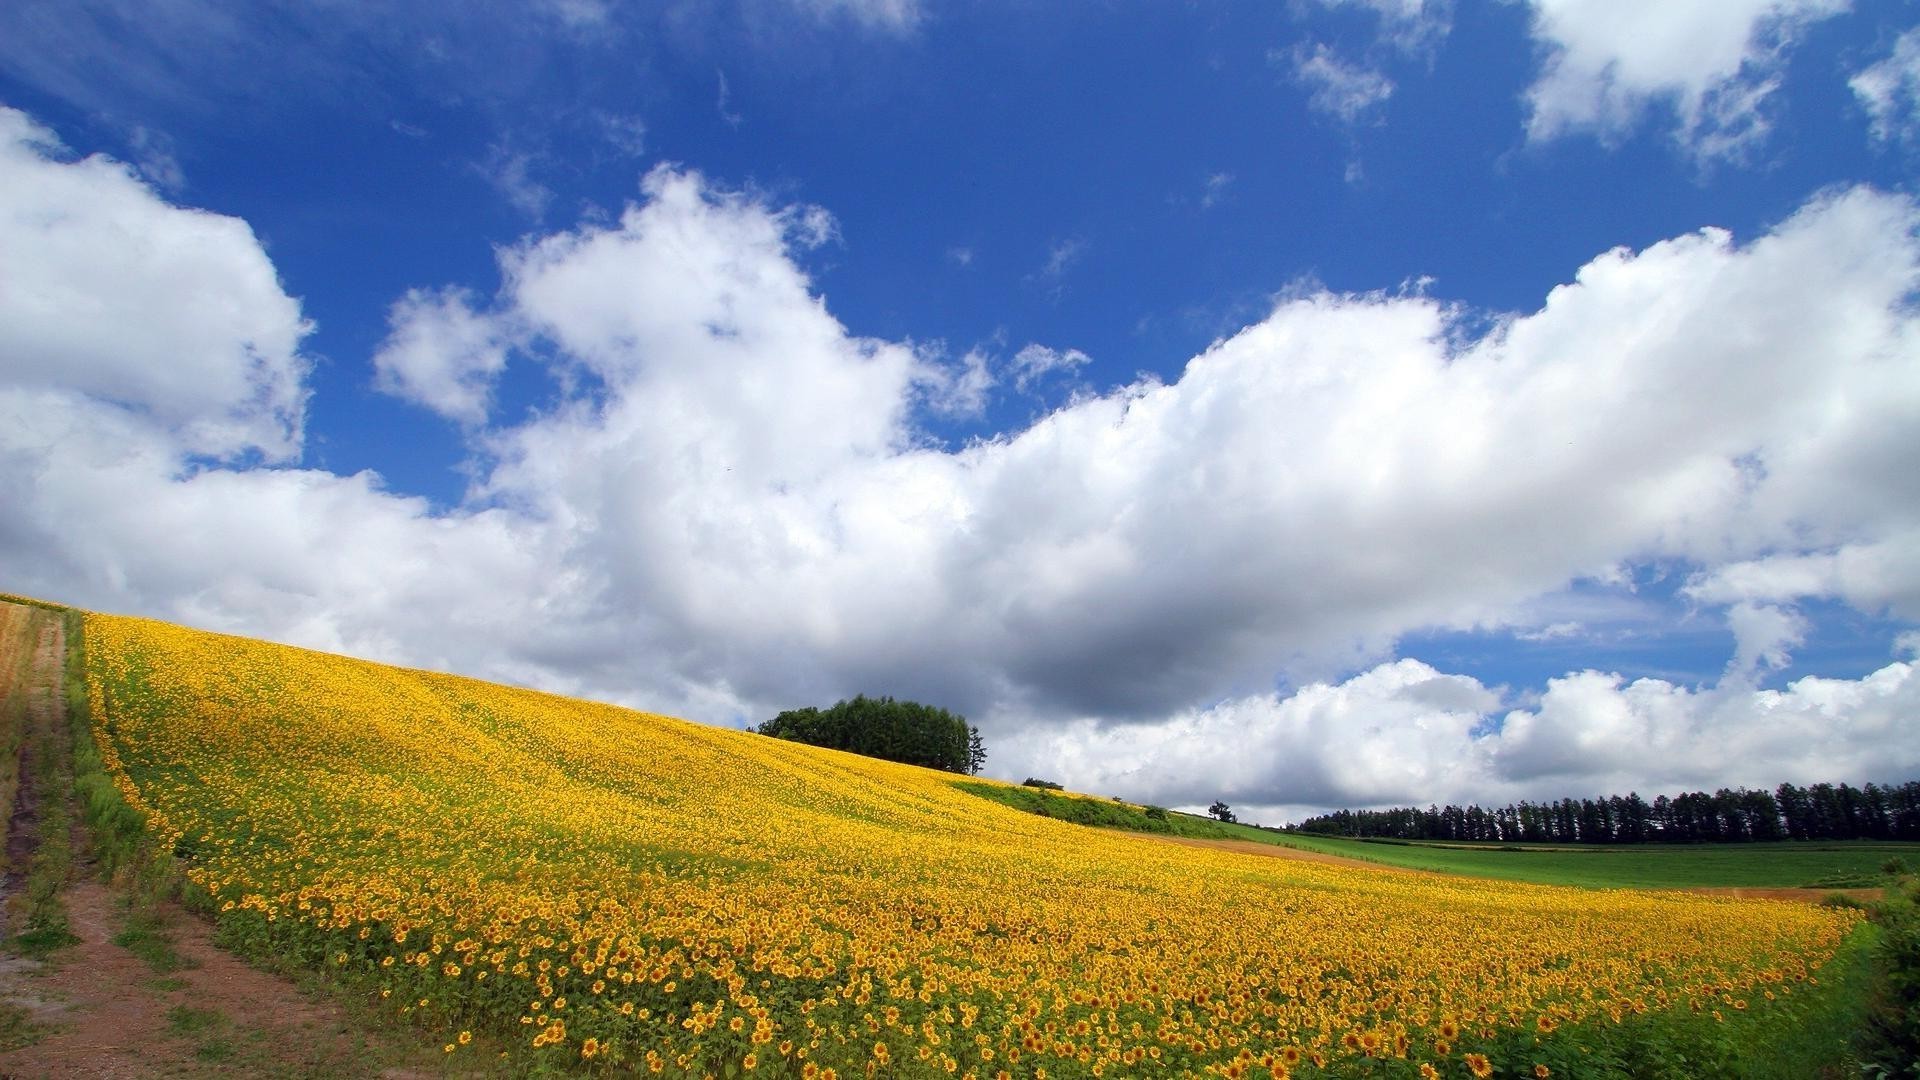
point(1763, 634)
point(510, 171)
point(441, 355)
point(1878, 577)
point(1890, 91)
point(1404, 733)
point(1715, 65)
point(174, 315)
point(1350, 89)
point(1036, 362)
point(960, 390)
point(738, 511)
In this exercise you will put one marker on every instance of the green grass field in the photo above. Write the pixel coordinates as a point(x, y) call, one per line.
point(1785, 865)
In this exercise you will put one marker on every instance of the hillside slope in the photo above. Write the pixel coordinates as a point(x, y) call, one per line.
point(617, 886)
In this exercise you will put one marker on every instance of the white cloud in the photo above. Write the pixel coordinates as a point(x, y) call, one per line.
point(1156, 543)
point(172, 314)
point(1403, 733)
point(511, 173)
point(1881, 576)
point(1608, 62)
point(1762, 636)
point(1907, 645)
point(1890, 91)
point(960, 391)
point(441, 355)
point(1036, 362)
point(1062, 255)
point(742, 514)
point(722, 102)
point(1551, 632)
point(153, 153)
point(627, 135)
point(1340, 90)
point(1215, 189)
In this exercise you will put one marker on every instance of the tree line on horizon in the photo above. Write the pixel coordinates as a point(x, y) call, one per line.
point(1729, 815)
point(881, 727)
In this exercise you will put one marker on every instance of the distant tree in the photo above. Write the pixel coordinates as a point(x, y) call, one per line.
point(1729, 815)
point(903, 731)
point(1220, 811)
point(1036, 782)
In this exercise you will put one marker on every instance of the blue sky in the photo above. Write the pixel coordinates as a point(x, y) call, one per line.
point(1559, 385)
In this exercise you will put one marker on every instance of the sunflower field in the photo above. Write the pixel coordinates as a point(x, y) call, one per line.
point(603, 890)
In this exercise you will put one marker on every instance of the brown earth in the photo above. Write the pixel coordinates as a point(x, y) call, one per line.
point(95, 1009)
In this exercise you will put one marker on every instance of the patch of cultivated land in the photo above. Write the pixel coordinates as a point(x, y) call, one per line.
point(603, 889)
point(1820, 867)
point(95, 1008)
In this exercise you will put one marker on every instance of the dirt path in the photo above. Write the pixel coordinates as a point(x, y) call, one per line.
point(95, 1009)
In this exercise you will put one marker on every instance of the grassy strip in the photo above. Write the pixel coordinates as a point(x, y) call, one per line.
point(1803, 1030)
point(1099, 813)
point(46, 927)
point(1778, 864)
point(146, 879)
point(28, 601)
point(13, 733)
point(1890, 1043)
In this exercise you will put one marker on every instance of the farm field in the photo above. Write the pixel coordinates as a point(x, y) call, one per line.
point(1786, 864)
point(593, 888)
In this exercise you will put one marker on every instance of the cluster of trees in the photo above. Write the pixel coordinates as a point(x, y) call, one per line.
point(1819, 812)
point(903, 731)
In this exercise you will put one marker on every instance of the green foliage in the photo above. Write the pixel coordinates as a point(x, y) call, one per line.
point(45, 927)
point(903, 731)
point(1220, 811)
point(1036, 782)
point(17, 1028)
point(1780, 864)
point(1098, 813)
point(1890, 1044)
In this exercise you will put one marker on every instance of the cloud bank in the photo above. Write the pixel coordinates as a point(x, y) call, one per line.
point(733, 507)
point(1715, 65)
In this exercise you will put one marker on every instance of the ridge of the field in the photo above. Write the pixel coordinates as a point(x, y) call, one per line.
point(590, 886)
